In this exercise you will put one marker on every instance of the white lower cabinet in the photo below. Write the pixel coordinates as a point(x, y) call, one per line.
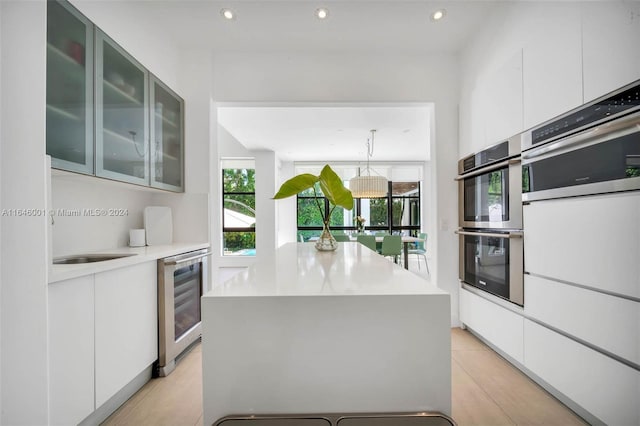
point(606, 388)
point(71, 362)
point(102, 335)
point(498, 325)
point(608, 322)
point(593, 241)
point(126, 326)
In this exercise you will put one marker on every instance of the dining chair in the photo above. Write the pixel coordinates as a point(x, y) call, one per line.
point(342, 238)
point(380, 234)
point(368, 240)
point(420, 250)
point(392, 246)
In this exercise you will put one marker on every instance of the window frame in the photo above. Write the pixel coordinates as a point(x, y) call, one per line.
point(225, 193)
point(357, 209)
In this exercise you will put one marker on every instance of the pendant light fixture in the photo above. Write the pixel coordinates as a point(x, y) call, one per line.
point(365, 185)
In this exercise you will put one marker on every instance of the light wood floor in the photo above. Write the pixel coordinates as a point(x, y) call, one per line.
point(487, 390)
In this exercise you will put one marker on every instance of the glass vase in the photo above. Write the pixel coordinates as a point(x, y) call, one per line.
point(326, 242)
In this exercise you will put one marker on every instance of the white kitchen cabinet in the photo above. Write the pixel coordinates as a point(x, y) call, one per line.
point(606, 388)
point(69, 88)
point(592, 241)
point(98, 108)
point(552, 64)
point(125, 326)
point(503, 103)
point(608, 322)
point(493, 108)
point(167, 137)
point(610, 34)
point(122, 114)
point(496, 324)
point(71, 362)
point(472, 136)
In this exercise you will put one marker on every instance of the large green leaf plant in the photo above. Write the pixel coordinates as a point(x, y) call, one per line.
point(330, 184)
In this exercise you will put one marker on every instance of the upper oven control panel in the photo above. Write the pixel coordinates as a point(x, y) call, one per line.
point(498, 152)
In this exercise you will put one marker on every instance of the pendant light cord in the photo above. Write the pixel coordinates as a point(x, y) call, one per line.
point(370, 150)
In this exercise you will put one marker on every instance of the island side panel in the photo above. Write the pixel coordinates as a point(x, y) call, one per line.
point(326, 354)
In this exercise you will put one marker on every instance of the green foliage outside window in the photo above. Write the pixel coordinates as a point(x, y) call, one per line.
point(239, 203)
point(632, 171)
point(525, 179)
point(308, 215)
point(378, 214)
point(495, 187)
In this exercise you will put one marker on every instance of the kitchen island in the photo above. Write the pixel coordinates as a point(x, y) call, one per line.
point(325, 332)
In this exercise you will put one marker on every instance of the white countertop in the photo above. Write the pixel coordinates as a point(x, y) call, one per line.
point(298, 269)
point(142, 254)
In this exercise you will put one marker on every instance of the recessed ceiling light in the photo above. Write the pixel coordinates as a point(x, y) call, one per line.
point(227, 14)
point(322, 13)
point(438, 14)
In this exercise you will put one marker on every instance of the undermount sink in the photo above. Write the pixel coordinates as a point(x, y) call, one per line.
point(88, 258)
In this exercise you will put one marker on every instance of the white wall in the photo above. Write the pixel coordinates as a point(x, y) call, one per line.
point(267, 222)
point(367, 78)
point(230, 147)
point(286, 209)
point(190, 213)
point(71, 193)
point(0, 222)
point(23, 176)
point(127, 23)
point(76, 232)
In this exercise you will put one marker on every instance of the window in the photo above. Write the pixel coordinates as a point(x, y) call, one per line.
point(405, 206)
point(398, 212)
point(310, 219)
point(239, 203)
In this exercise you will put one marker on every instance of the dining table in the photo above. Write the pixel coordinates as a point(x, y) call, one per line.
point(406, 239)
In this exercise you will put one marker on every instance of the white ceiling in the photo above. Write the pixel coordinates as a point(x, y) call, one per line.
point(291, 25)
point(332, 133)
point(323, 133)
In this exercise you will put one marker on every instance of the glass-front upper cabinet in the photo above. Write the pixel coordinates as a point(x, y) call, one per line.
point(167, 136)
point(122, 114)
point(69, 88)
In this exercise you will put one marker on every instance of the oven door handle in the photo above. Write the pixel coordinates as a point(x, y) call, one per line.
point(489, 168)
point(614, 129)
point(512, 234)
point(180, 261)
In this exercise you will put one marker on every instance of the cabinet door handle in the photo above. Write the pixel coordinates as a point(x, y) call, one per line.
point(513, 234)
point(177, 262)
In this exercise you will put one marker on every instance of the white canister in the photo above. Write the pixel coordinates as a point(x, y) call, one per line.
point(136, 238)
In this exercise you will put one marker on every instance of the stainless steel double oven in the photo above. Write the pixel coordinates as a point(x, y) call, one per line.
point(490, 220)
